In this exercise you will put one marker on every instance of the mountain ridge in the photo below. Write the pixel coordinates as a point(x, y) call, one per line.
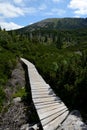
point(56, 24)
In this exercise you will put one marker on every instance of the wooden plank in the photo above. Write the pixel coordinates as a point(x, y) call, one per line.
point(44, 105)
point(58, 115)
point(45, 99)
point(53, 125)
point(46, 114)
point(53, 107)
point(51, 110)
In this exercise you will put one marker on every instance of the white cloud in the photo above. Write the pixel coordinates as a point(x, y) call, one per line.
point(9, 26)
point(56, 11)
point(8, 10)
point(30, 10)
point(42, 7)
point(81, 12)
point(18, 1)
point(80, 6)
point(31, 23)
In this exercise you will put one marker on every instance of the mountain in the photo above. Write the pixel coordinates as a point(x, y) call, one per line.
point(68, 31)
point(56, 24)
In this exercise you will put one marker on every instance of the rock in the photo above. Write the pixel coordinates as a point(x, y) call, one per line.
point(73, 122)
point(78, 52)
point(17, 99)
point(17, 77)
point(13, 115)
point(35, 127)
point(16, 82)
point(25, 127)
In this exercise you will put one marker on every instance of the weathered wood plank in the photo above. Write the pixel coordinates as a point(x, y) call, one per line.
point(51, 110)
point(53, 125)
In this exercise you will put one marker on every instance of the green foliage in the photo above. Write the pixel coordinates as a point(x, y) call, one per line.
point(21, 93)
point(5, 39)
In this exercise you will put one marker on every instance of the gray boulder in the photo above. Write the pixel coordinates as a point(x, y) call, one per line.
point(73, 122)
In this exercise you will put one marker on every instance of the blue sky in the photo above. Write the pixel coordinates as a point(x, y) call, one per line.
point(18, 13)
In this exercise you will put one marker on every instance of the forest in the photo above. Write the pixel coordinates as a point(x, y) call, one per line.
point(59, 56)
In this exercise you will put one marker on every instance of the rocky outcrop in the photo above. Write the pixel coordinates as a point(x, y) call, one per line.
point(73, 122)
point(17, 81)
point(14, 117)
point(13, 114)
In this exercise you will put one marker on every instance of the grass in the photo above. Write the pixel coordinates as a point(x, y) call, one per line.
point(21, 93)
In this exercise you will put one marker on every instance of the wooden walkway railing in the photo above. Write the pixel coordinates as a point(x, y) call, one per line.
point(51, 110)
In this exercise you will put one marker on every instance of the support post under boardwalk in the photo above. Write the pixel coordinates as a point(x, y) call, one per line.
point(51, 110)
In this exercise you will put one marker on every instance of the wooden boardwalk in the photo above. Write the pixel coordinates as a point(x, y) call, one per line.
point(51, 110)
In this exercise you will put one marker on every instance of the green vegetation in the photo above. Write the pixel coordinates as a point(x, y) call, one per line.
point(59, 55)
point(20, 93)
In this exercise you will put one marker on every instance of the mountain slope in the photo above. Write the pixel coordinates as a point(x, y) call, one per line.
point(56, 24)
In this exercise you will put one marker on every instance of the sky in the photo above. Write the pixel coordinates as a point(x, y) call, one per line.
point(19, 13)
